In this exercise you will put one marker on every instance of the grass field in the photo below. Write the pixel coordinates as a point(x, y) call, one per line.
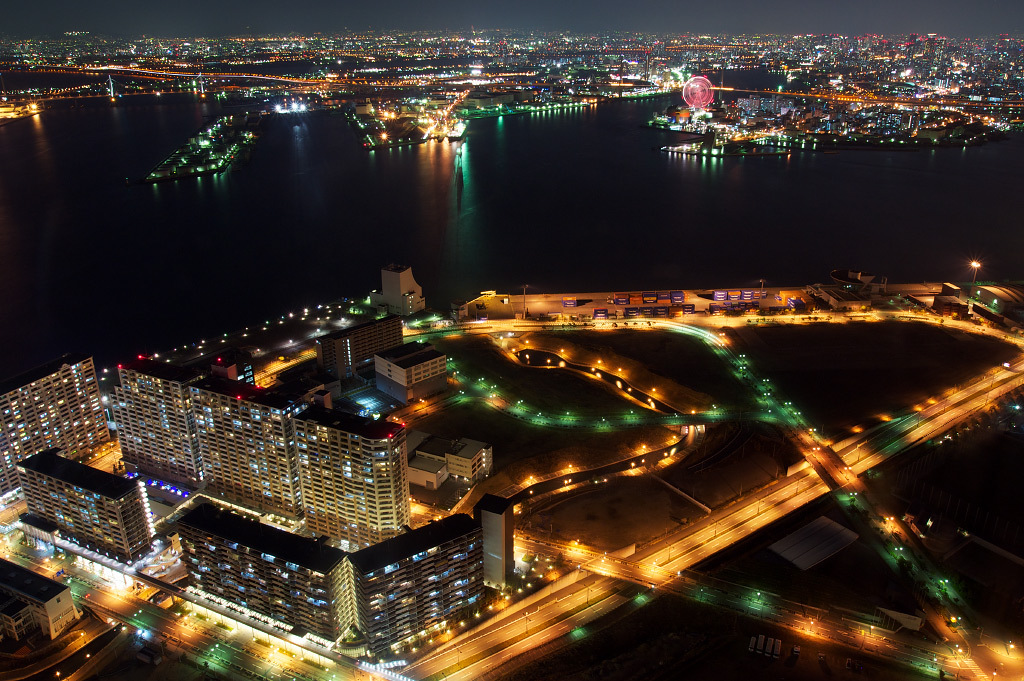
point(477, 357)
point(857, 373)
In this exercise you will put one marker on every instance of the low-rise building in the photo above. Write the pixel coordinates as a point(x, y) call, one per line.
point(427, 473)
point(27, 598)
point(465, 458)
point(411, 371)
point(99, 511)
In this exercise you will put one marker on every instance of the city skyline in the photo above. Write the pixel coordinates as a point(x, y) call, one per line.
point(748, 17)
point(743, 377)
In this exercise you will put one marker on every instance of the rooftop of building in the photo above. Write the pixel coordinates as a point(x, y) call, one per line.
point(437, 446)
point(41, 524)
point(162, 370)
point(1011, 293)
point(432, 445)
point(27, 583)
point(410, 354)
point(422, 463)
point(412, 542)
point(244, 391)
point(492, 504)
point(41, 371)
point(341, 333)
point(291, 548)
point(49, 462)
point(12, 607)
point(351, 423)
point(395, 268)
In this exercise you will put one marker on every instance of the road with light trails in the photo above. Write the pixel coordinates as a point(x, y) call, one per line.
point(487, 645)
point(659, 564)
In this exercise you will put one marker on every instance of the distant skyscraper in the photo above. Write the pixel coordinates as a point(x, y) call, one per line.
point(54, 405)
point(247, 444)
point(343, 352)
point(156, 427)
point(102, 512)
point(353, 474)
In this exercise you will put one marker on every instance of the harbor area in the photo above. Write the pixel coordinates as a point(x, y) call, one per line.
point(211, 150)
point(635, 305)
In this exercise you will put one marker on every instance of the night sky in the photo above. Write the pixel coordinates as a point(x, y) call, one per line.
point(223, 17)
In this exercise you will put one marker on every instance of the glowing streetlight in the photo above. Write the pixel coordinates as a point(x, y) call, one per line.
point(975, 264)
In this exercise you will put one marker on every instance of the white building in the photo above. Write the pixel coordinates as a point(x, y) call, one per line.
point(26, 596)
point(399, 293)
point(411, 371)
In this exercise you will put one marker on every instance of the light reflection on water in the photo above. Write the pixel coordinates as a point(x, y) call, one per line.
point(568, 201)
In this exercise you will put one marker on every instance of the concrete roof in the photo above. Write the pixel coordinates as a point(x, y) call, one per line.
point(814, 542)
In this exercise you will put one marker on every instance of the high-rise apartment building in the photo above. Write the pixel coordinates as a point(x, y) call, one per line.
point(100, 511)
point(156, 426)
point(341, 353)
point(388, 592)
point(247, 444)
point(54, 405)
point(299, 582)
point(417, 580)
point(353, 476)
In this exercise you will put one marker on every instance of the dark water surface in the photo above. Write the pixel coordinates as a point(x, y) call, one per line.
point(574, 201)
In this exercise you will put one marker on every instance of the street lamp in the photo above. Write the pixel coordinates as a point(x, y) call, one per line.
point(975, 264)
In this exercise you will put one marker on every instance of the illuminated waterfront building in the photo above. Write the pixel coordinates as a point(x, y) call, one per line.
point(152, 409)
point(54, 405)
point(27, 598)
point(297, 581)
point(411, 371)
point(417, 581)
point(247, 444)
point(99, 511)
point(353, 476)
point(342, 353)
point(399, 294)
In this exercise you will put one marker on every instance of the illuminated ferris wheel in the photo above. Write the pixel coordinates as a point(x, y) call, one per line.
point(697, 93)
